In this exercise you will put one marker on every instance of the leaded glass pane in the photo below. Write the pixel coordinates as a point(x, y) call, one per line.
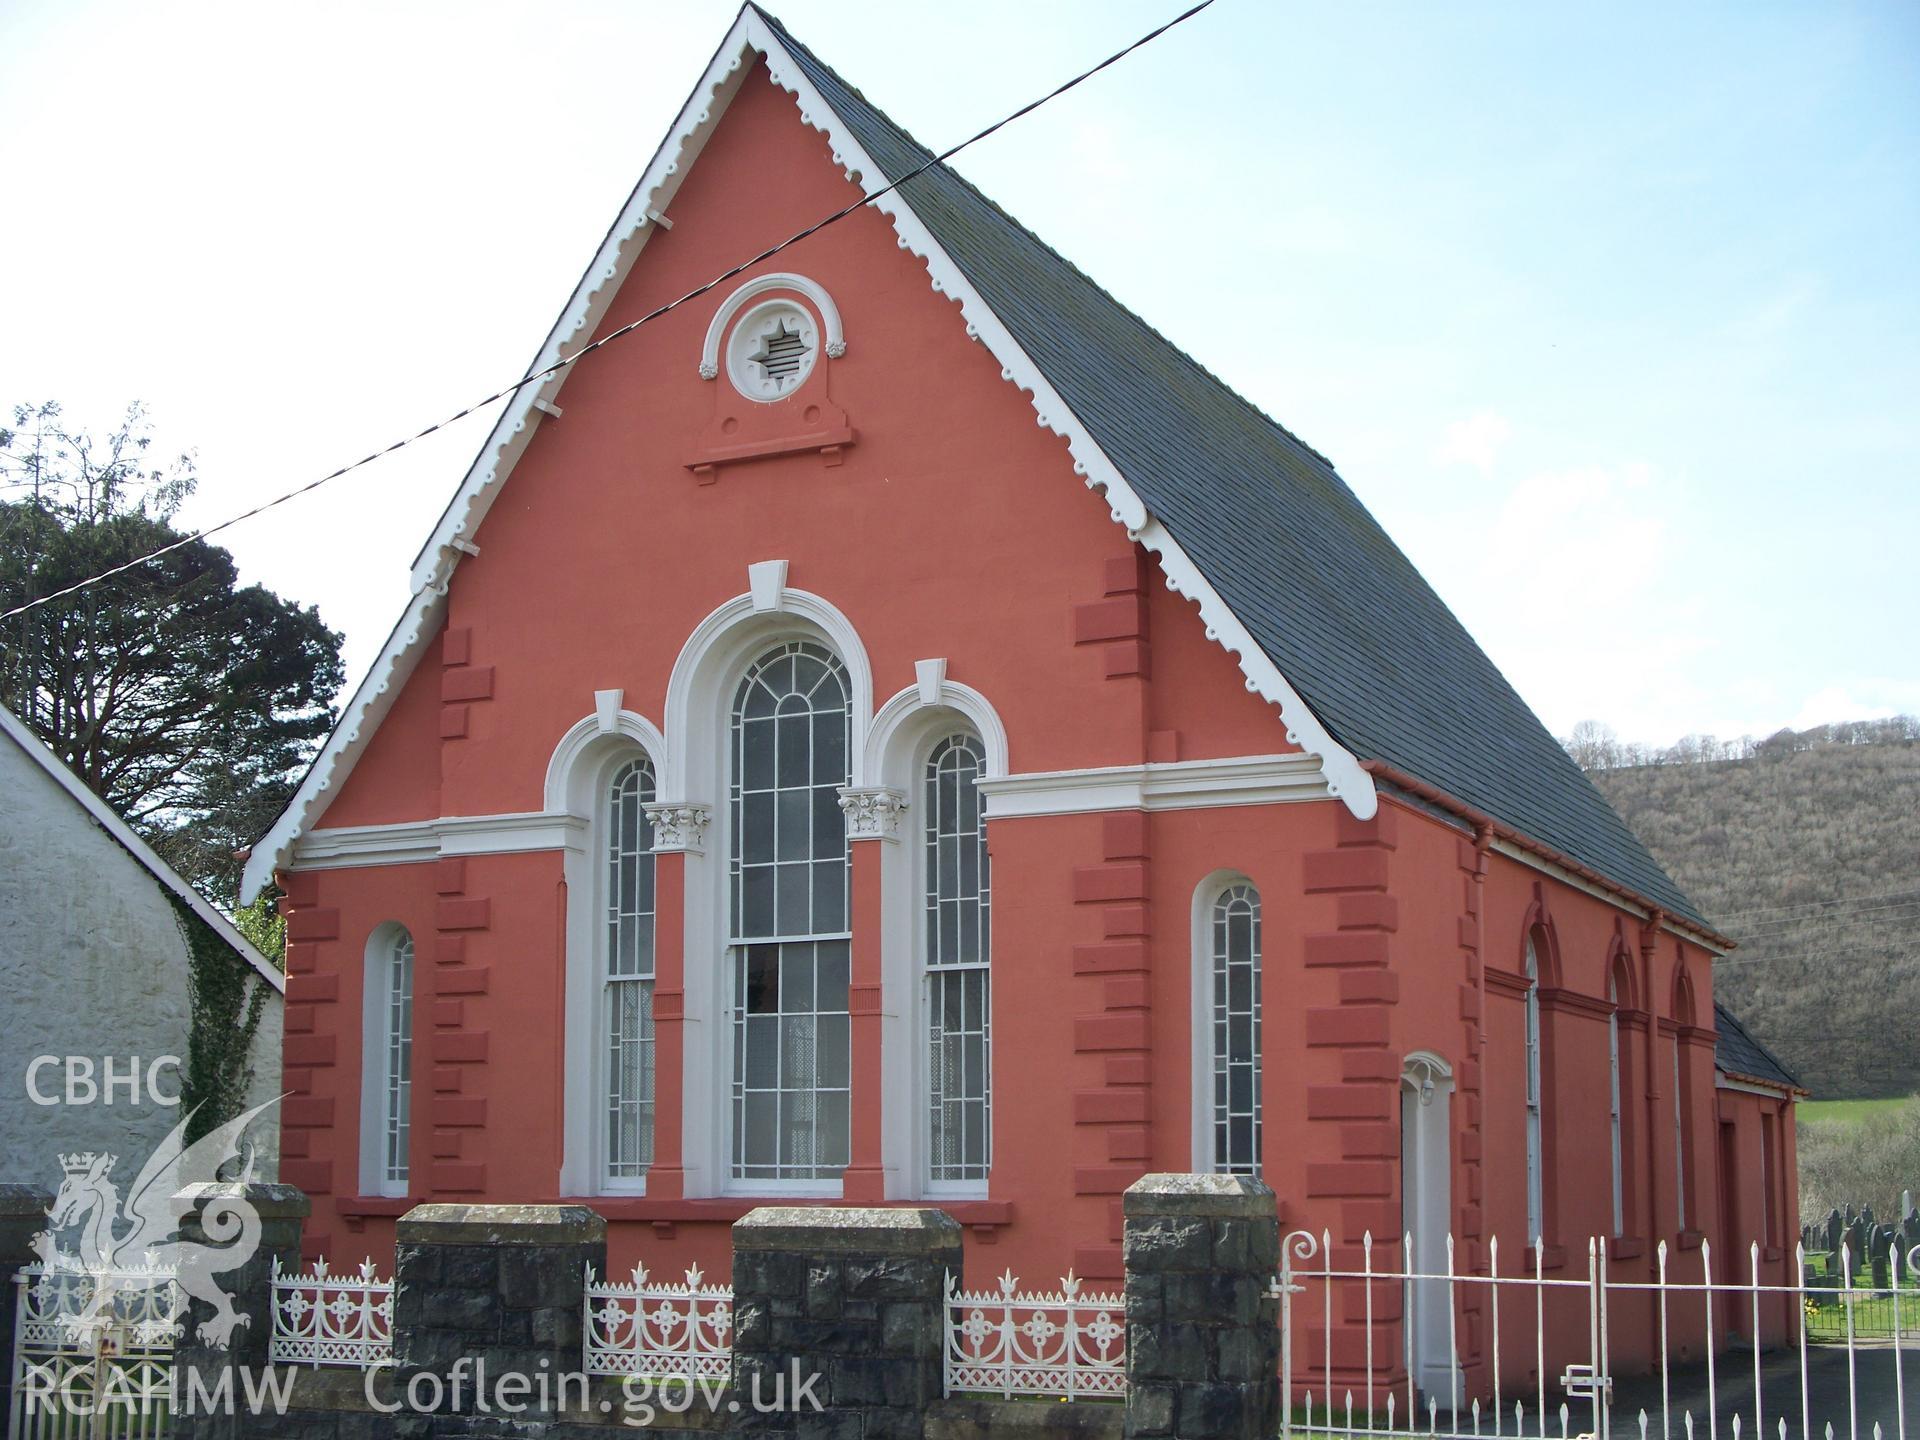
point(1235, 943)
point(792, 1060)
point(791, 1031)
point(399, 1088)
point(957, 937)
point(628, 982)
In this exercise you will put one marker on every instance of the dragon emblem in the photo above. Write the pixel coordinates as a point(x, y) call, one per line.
point(131, 1244)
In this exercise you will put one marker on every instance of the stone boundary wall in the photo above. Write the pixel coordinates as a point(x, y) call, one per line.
point(838, 1312)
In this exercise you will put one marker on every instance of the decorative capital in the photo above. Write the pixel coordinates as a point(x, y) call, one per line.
point(709, 372)
point(836, 348)
point(872, 814)
point(678, 826)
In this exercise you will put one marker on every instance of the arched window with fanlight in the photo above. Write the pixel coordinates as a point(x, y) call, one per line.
point(627, 974)
point(386, 1103)
point(956, 946)
point(1232, 1009)
point(790, 942)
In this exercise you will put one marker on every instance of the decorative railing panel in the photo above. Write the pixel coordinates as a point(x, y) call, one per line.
point(1064, 1343)
point(320, 1318)
point(93, 1352)
point(642, 1327)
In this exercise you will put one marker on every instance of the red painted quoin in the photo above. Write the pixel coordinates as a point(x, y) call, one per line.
point(518, 880)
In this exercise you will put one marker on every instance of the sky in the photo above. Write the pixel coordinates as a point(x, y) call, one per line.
point(1610, 313)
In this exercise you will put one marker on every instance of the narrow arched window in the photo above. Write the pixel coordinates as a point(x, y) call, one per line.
point(1234, 950)
point(1536, 1207)
point(957, 949)
point(627, 972)
point(1679, 1138)
point(1682, 1020)
point(387, 1077)
point(790, 950)
point(1613, 1103)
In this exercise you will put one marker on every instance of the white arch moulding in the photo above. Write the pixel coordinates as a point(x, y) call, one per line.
point(576, 757)
point(763, 285)
point(708, 664)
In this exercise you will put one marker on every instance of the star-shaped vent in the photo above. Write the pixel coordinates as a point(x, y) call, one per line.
point(782, 353)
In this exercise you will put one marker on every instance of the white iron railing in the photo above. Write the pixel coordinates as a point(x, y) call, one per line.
point(1065, 1343)
point(1838, 1367)
point(320, 1318)
point(93, 1352)
point(663, 1331)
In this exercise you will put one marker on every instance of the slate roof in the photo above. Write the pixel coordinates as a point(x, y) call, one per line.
point(1327, 595)
point(1738, 1053)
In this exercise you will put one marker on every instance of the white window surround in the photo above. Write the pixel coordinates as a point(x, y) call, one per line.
point(902, 738)
point(699, 707)
point(582, 765)
point(1200, 949)
point(815, 293)
point(376, 1083)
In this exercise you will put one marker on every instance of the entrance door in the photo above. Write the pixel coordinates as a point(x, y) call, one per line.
point(1426, 1176)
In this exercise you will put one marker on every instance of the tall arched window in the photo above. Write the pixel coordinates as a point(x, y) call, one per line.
point(387, 1074)
point(627, 973)
point(957, 945)
point(790, 942)
point(1536, 1178)
point(1682, 1101)
point(1613, 1103)
point(1233, 931)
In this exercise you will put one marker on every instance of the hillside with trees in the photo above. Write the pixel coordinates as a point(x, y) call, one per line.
point(1805, 848)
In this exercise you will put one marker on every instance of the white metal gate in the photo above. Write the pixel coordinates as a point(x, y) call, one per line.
point(93, 1353)
point(1545, 1348)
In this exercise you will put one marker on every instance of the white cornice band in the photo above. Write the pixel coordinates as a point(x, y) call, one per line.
point(1172, 785)
point(1176, 785)
point(414, 842)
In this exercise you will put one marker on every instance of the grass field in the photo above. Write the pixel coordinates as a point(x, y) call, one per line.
point(1851, 1112)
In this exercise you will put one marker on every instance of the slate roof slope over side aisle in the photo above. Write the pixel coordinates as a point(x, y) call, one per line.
point(1738, 1053)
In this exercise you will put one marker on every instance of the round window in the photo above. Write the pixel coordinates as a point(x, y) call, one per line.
point(772, 350)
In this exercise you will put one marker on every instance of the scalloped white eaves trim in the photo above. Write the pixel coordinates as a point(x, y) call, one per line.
point(748, 38)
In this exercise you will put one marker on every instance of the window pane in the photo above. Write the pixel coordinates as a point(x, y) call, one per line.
point(790, 1031)
point(1235, 931)
point(955, 935)
point(399, 1058)
point(630, 1078)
